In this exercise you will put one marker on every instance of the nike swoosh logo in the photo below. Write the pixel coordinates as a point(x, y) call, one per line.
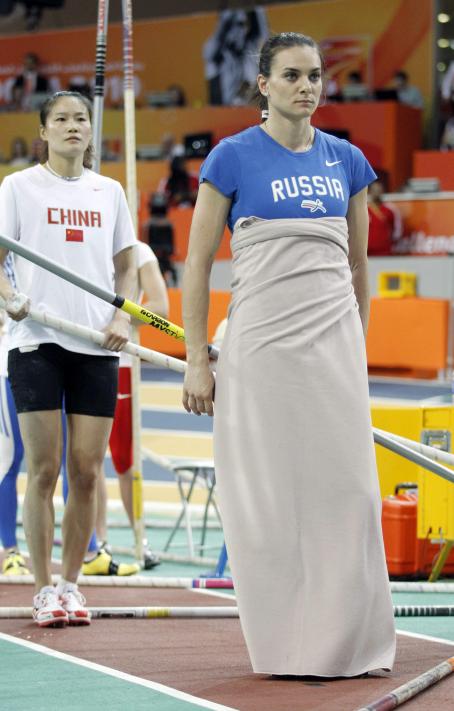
point(122, 396)
point(330, 164)
point(97, 189)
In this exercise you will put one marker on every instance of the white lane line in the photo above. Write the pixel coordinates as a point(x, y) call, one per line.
point(196, 434)
point(164, 408)
point(215, 593)
point(381, 401)
point(181, 695)
point(160, 385)
point(427, 637)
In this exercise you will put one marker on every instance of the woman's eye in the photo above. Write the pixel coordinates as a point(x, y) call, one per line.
point(314, 77)
point(290, 75)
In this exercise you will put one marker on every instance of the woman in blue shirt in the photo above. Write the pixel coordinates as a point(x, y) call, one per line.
point(294, 454)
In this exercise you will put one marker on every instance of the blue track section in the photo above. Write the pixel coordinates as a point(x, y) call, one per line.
point(160, 420)
point(406, 391)
point(160, 375)
point(411, 391)
point(150, 471)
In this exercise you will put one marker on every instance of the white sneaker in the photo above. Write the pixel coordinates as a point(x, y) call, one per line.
point(47, 610)
point(73, 602)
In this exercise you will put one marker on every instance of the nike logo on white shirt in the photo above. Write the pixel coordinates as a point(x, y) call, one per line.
point(330, 164)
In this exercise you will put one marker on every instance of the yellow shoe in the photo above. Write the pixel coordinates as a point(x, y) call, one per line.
point(103, 564)
point(14, 564)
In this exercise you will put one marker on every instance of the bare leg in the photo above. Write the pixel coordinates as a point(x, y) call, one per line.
point(125, 483)
point(42, 436)
point(101, 508)
point(87, 444)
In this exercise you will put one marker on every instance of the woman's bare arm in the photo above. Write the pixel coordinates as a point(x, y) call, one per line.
point(358, 231)
point(208, 223)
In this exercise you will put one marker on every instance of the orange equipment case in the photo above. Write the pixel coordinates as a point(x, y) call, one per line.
point(406, 555)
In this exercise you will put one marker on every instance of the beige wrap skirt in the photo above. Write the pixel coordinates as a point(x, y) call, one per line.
point(294, 456)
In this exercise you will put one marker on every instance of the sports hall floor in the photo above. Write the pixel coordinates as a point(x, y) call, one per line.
point(179, 664)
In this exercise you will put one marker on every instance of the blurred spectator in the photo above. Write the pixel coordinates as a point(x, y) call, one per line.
point(81, 85)
point(111, 149)
point(29, 84)
point(158, 233)
point(181, 187)
point(178, 94)
point(332, 91)
point(406, 92)
point(230, 54)
point(354, 89)
point(447, 138)
point(36, 150)
point(447, 84)
point(169, 148)
point(19, 152)
point(385, 224)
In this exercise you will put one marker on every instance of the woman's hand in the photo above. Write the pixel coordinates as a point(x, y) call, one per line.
point(17, 306)
point(198, 390)
point(117, 332)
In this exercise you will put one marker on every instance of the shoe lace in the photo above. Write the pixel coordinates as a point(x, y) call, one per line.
point(75, 594)
point(46, 598)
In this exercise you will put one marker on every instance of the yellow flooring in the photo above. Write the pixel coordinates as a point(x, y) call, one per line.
point(161, 396)
point(195, 445)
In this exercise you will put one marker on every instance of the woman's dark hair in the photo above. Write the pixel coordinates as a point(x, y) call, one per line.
point(44, 112)
point(273, 45)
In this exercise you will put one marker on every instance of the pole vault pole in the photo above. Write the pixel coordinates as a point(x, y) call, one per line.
point(131, 193)
point(110, 297)
point(98, 103)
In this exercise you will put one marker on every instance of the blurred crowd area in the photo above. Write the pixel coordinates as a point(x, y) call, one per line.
point(229, 70)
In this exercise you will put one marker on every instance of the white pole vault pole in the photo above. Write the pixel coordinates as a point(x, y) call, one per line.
point(131, 192)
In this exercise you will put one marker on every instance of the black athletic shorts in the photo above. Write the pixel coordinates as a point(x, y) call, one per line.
point(41, 378)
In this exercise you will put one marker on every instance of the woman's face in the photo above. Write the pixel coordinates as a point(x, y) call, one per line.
point(68, 128)
point(294, 86)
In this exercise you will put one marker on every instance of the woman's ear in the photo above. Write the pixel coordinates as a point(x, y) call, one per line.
point(262, 84)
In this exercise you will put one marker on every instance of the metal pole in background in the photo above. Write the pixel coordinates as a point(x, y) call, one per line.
point(98, 102)
point(131, 193)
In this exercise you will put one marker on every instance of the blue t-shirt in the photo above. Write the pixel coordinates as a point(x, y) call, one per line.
point(266, 180)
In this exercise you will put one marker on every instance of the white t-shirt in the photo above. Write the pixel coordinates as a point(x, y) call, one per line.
point(8, 267)
point(143, 254)
point(82, 225)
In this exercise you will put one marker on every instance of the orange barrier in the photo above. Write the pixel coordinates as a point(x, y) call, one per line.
point(152, 338)
point(387, 132)
point(435, 164)
point(408, 334)
point(421, 325)
point(428, 225)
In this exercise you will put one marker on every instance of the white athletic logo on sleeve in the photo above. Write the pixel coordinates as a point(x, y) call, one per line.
point(330, 164)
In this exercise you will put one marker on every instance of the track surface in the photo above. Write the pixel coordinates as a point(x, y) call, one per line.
point(205, 658)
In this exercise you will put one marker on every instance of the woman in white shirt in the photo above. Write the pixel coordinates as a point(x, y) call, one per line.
point(65, 211)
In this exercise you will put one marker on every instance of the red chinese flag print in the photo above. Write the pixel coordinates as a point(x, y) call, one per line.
point(74, 235)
